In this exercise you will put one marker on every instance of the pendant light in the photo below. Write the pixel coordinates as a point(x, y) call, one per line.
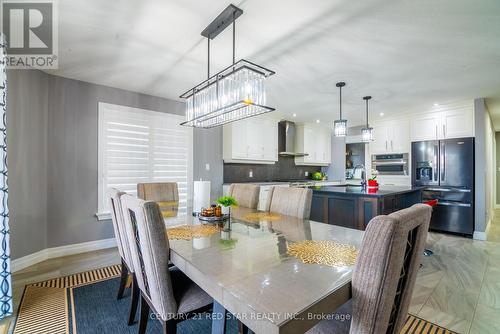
point(235, 93)
point(367, 133)
point(340, 125)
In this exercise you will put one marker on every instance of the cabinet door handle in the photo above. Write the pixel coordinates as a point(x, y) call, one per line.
point(392, 145)
point(444, 130)
point(436, 132)
point(386, 144)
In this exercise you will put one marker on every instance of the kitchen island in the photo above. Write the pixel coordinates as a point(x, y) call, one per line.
point(354, 206)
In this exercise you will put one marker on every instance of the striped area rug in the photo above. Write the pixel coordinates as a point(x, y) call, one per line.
point(46, 307)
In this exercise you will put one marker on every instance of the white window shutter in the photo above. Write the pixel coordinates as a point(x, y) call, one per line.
point(137, 145)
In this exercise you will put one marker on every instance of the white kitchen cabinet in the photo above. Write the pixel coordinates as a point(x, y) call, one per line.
point(394, 180)
point(458, 123)
point(453, 121)
point(253, 140)
point(391, 137)
point(380, 138)
point(425, 127)
point(316, 142)
point(400, 136)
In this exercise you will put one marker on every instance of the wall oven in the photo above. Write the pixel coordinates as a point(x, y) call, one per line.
point(390, 164)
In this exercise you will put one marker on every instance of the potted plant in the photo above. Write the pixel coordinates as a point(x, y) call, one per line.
point(227, 202)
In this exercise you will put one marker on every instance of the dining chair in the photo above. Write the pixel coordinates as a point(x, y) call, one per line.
point(384, 275)
point(127, 267)
point(247, 195)
point(158, 192)
point(287, 201)
point(165, 291)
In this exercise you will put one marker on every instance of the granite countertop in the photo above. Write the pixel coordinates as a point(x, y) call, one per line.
point(282, 182)
point(258, 183)
point(359, 191)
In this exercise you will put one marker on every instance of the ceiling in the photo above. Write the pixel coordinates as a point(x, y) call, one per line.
point(407, 54)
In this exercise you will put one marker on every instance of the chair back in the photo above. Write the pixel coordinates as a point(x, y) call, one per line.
point(158, 192)
point(151, 252)
point(294, 202)
point(386, 270)
point(247, 195)
point(122, 242)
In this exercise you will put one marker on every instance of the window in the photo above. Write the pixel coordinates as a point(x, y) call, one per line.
point(137, 145)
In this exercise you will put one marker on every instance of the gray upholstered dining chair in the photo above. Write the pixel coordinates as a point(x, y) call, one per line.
point(167, 292)
point(384, 275)
point(247, 195)
point(127, 266)
point(158, 192)
point(294, 202)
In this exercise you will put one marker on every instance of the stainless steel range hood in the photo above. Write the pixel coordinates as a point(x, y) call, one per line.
point(286, 140)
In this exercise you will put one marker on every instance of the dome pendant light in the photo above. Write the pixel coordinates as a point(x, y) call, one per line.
point(367, 133)
point(340, 125)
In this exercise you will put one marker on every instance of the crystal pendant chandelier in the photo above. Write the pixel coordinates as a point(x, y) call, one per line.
point(367, 133)
point(340, 125)
point(235, 93)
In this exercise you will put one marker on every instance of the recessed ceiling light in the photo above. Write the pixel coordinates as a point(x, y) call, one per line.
point(294, 115)
point(381, 114)
point(436, 104)
point(317, 121)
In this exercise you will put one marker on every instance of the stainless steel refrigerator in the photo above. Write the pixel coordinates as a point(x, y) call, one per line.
point(446, 169)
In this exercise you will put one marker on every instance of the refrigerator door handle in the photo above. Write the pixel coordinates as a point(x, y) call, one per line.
point(448, 190)
point(436, 149)
point(443, 162)
point(463, 205)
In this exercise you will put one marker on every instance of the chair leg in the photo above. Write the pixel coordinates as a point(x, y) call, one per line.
point(169, 327)
point(123, 280)
point(143, 321)
point(242, 329)
point(135, 300)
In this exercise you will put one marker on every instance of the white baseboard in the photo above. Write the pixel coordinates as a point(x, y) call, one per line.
point(50, 253)
point(479, 235)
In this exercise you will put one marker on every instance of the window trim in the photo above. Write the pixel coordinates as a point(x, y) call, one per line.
point(102, 213)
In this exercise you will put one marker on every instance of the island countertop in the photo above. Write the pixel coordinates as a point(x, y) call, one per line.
point(351, 190)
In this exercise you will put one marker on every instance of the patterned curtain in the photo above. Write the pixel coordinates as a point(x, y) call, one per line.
point(5, 274)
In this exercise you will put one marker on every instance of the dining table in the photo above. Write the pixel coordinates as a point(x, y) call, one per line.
point(246, 267)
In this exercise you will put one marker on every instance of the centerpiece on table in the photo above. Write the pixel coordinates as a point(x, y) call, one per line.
point(227, 202)
point(372, 185)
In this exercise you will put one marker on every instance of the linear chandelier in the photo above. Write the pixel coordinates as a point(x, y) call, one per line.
point(235, 93)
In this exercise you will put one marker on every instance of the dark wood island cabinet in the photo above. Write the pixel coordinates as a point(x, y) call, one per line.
point(354, 207)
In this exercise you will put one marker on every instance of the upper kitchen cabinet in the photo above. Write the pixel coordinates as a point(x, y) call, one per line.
point(449, 121)
point(316, 142)
point(391, 137)
point(254, 140)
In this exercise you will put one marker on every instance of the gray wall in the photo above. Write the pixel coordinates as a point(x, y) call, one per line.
point(72, 156)
point(27, 115)
point(483, 190)
point(53, 157)
point(208, 150)
point(336, 170)
point(497, 137)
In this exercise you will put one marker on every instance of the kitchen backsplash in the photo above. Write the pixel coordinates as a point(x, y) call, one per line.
point(284, 169)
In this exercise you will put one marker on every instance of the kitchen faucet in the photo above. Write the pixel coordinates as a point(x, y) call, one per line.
point(363, 174)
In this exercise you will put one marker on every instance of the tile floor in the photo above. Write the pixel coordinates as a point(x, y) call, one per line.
point(458, 287)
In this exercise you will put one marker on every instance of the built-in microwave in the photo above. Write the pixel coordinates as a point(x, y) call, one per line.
point(390, 164)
